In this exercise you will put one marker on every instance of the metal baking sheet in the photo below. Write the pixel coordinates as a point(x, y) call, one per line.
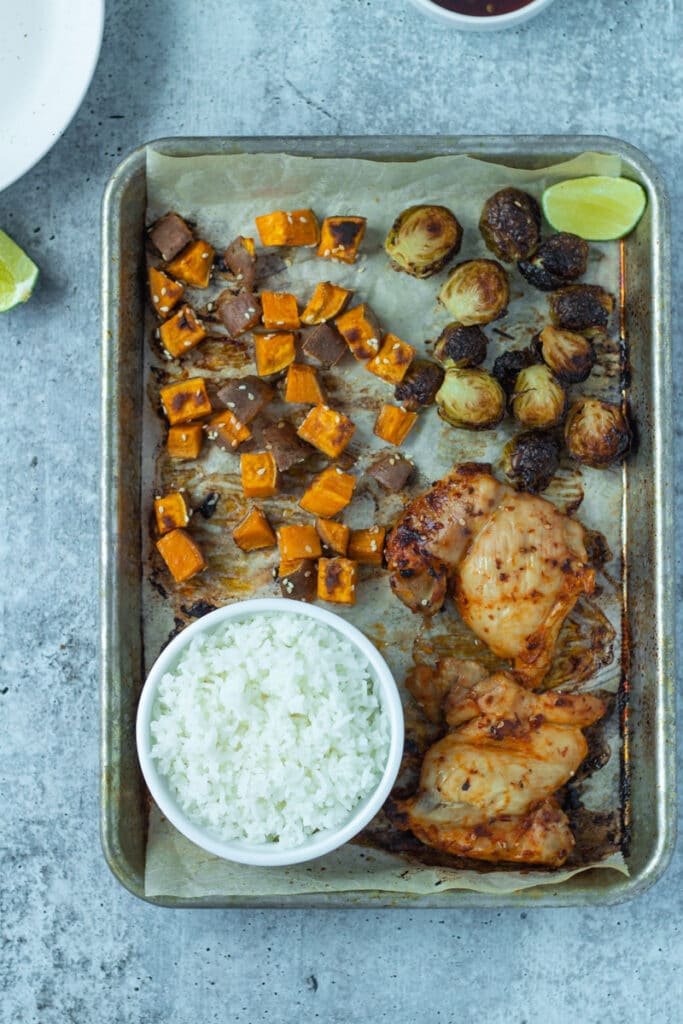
point(647, 516)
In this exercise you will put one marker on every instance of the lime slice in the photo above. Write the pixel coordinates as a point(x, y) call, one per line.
point(18, 274)
point(595, 208)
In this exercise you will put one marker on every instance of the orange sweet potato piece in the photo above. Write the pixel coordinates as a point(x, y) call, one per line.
point(297, 579)
point(337, 578)
point(171, 511)
point(294, 227)
point(334, 535)
point(393, 359)
point(328, 493)
point(361, 331)
point(181, 332)
point(327, 430)
point(367, 546)
point(340, 238)
point(225, 428)
point(259, 475)
point(181, 554)
point(187, 400)
point(193, 265)
point(299, 541)
point(274, 352)
point(164, 291)
point(303, 386)
point(185, 441)
point(393, 424)
point(253, 531)
point(326, 302)
point(280, 311)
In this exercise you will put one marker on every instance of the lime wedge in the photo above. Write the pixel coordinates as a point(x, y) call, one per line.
point(18, 274)
point(595, 208)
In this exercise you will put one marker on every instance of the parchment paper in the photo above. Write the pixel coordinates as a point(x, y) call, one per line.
point(223, 194)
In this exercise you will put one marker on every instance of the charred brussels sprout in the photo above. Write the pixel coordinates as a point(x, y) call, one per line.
point(471, 399)
point(508, 366)
point(585, 308)
point(511, 225)
point(570, 356)
point(423, 239)
point(476, 292)
point(461, 346)
point(597, 433)
point(538, 401)
point(420, 384)
point(530, 460)
point(557, 261)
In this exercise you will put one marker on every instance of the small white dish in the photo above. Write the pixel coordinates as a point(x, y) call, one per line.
point(476, 23)
point(271, 854)
point(50, 50)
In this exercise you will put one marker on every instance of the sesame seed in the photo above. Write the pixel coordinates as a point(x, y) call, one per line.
point(461, 522)
point(161, 508)
point(238, 277)
point(339, 470)
point(307, 574)
point(164, 309)
point(424, 602)
point(230, 405)
point(163, 292)
point(210, 307)
point(205, 255)
point(250, 396)
point(155, 298)
point(373, 545)
point(156, 333)
point(242, 387)
point(308, 549)
point(303, 220)
point(261, 471)
point(183, 437)
point(395, 347)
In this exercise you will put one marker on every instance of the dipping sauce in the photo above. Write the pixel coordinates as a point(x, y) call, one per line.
point(482, 8)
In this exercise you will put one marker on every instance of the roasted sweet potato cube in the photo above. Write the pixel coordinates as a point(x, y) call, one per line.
point(240, 259)
point(163, 291)
point(253, 531)
point(327, 430)
point(288, 450)
point(181, 332)
point(239, 313)
point(298, 541)
point(246, 396)
point(259, 475)
point(326, 302)
point(334, 535)
point(337, 578)
point(274, 352)
point(325, 344)
point(225, 428)
point(361, 331)
point(393, 424)
point(294, 227)
point(185, 442)
point(187, 400)
point(367, 546)
point(328, 493)
point(297, 579)
point(392, 470)
point(303, 386)
point(393, 359)
point(169, 235)
point(181, 554)
point(280, 311)
point(340, 238)
point(193, 265)
point(172, 512)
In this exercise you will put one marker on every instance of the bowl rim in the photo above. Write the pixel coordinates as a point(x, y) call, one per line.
point(260, 854)
point(476, 21)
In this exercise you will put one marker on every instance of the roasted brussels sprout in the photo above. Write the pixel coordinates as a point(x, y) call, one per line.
point(461, 346)
point(507, 367)
point(557, 261)
point(538, 401)
point(511, 225)
point(471, 399)
point(597, 433)
point(530, 460)
point(570, 356)
point(423, 239)
point(476, 292)
point(420, 384)
point(585, 308)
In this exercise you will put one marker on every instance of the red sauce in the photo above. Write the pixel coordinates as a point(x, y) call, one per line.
point(482, 8)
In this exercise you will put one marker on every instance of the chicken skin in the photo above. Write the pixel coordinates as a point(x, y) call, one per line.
point(513, 562)
point(486, 788)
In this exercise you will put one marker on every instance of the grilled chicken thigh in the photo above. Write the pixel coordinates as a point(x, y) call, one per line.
point(514, 563)
point(486, 787)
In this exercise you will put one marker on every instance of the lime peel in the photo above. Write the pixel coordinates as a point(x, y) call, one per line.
point(596, 208)
point(18, 274)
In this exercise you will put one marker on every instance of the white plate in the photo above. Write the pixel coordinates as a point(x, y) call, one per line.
point(48, 54)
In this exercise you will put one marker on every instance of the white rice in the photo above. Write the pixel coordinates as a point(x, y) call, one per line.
point(270, 729)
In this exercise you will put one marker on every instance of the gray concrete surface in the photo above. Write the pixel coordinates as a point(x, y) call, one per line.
point(75, 946)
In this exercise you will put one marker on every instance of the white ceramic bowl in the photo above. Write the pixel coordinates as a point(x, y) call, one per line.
point(472, 23)
point(271, 854)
